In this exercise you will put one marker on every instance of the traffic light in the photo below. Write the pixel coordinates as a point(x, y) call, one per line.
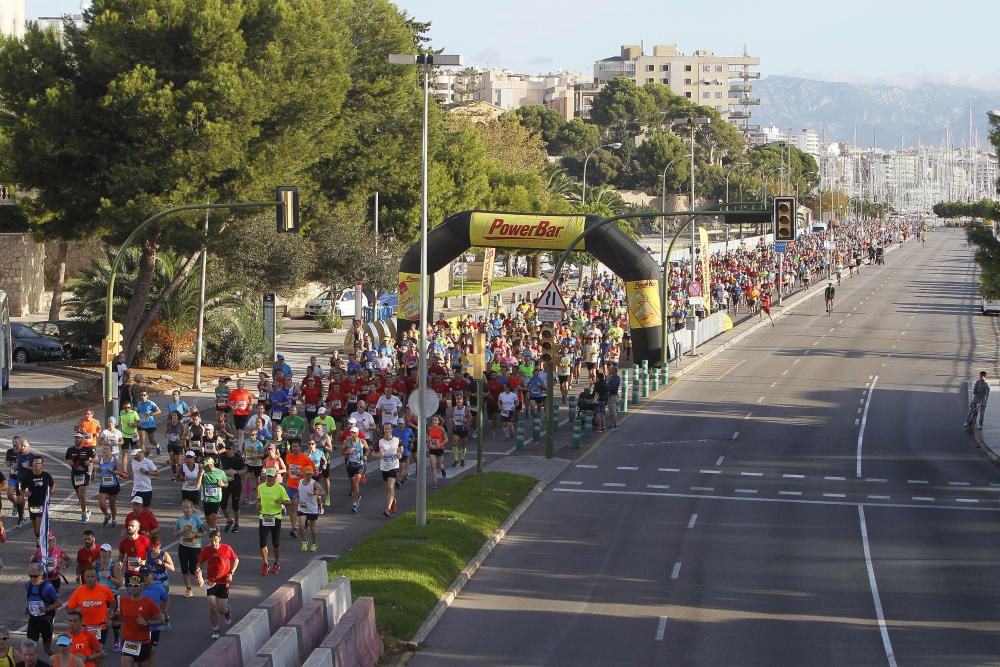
point(288, 208)
point(479, 355)
point(112, 347)
point(548, 342)
point(785, 211)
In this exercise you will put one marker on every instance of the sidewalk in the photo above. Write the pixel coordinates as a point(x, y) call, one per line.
point(989, 437)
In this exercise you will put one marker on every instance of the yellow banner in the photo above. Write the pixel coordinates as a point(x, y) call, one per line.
point(408, 307)
point(519, 230)
point(643, 303)
point(489, 256)
point(706, 270)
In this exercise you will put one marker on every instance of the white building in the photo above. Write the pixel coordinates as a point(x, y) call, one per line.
point(509, 90)
point(12, 19)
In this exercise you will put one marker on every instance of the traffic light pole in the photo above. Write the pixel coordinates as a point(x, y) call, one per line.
point(557, 271)
point(109, 366)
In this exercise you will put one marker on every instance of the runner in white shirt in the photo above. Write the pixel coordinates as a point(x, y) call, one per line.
point(364, 420)
point(388, 453)
point(389, 406)
point(112, 437)
point(143, 472)
point(309, 499)
point(508, 401)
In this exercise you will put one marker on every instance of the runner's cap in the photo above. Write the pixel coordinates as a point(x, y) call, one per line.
point(64, 640)
point(135, 451)
point(355, 430)
point(270, 472)
point(106, 547)
point(321, 411)
point(136, 499)
point(189, 453)
point(352, 420)
point(207, 460)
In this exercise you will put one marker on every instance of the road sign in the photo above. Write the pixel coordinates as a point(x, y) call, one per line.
point(694, 289)
point(550, 298)
point(425, 404)
point(696, 300)
point(780, 246)
point(550, 315)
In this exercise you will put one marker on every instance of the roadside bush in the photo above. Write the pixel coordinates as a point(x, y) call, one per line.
point(331, 321)
point(234, 338)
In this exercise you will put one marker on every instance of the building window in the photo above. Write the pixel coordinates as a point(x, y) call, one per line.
point(664, 68)
point(718, 68)
point(706, 68)
point(718, 96)
point(687, 95)
point(687, 68)
point(666, 82)
point(687, 82)
point(706, 96)
point(650, 68)
point(650, 80)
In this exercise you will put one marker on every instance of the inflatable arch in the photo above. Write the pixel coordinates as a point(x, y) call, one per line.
point(608, 244)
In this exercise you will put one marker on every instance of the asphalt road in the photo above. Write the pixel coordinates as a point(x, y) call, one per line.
point(739, 519)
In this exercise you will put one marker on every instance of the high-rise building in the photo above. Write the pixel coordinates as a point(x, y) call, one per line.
point(12, 18)
point(720, 82)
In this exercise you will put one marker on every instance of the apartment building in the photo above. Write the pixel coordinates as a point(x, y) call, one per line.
point(721, 82)
point(509, 90)
point(805, 140)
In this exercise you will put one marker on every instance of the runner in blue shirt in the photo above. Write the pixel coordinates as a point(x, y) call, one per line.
point(148, 410)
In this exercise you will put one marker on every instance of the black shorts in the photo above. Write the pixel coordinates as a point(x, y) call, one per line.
point(563, 378)
point(145, 653)
point(188, 556)
point(274, 531)
point(391, 474)
point(154, 637)
point(255, 471)
point(460, 431)
point(308, 516)
point(40, 627)
point(147, 497)
point(193, 496)
point(175, 448)
point(148, 429)
point(74, 477)
point(509, 417)
point(436, 452)
point(240, 421)
point(538, 401)
point(591, 365)
point(353, 471)
point(211, 508)
point(220, 591)
point(110, 490)
point(231, 495)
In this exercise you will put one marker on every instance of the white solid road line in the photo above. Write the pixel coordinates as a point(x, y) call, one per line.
point(693, 520)
point(752, 474)
point(744, 490)
point(677, 570)
point(661, 628)
point(657, 486)
point(864, 420)
point(834, 478)
point(571, 483)
point(789, 493)
point(668, 469)
point(586, 465)
point(628, 467)
point(788, 475)
point(834, 495)
point(614, 484)
point(966, 500)
point(886, 643)
point(959, 484)
point(706, 471)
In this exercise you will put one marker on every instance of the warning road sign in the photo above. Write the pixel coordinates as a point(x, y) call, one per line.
point(550, 298)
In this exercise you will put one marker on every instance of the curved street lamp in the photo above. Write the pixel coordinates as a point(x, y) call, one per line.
point(615, 145)
point(663, 207)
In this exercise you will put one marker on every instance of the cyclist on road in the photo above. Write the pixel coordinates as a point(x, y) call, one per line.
point(980, 395)
point(829, 294)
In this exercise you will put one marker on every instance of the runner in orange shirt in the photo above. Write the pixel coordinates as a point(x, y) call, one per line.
point(90, 428)
point(241, 400)
point(94, 602)
point(84, 642)
point(296, 462)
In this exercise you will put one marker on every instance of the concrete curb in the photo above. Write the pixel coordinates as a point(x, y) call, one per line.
point(977, 434)
point(470, 569)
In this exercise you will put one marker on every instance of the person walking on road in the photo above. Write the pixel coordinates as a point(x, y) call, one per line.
point(271, 499)
point(355, 453)
point(42, 603)
point(221, 563)
point(80, 458)
point(829, 293)
point(138, 614)
point(980, 396)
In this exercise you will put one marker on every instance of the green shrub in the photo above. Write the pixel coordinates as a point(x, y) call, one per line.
point(331, 320)
point(234, 338)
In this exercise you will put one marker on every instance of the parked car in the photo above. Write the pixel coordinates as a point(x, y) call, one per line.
point(341, 303)
point(77, 340)
point(29, 345)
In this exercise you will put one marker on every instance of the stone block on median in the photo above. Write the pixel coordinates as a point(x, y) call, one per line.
point(320, 657)
point(281, 650)
point(355, 639)
point(224, 652)
point(336, 595)
point(282, 604)
point(311, 578)
point(252, 631)
point(311, 624)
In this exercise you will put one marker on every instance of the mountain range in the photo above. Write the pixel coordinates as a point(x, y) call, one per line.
point(880, 113)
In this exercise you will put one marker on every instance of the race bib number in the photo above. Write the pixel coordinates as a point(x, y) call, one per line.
point(305, 508)
point(230, 476)
point(173, 437)
point(189, 540)
point(276, 414)
point(79, 479)
point(35, 509)
point(241, 405)
point(212, 492)
point(130, 647)
point(36, 607)
point(459, 420)
point(107, 480)
point(133, 563)
point(189, 486)
point(335, 405)
point(95, 630)
point(267, 520)
point(50, 564)
point(352, 398)
point(221, 404)
point(505, 413)
point(293, 433)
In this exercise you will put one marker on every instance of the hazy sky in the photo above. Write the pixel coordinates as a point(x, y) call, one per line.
point(863, 41)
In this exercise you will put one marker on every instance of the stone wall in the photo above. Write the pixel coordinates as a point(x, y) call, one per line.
point(22, 273)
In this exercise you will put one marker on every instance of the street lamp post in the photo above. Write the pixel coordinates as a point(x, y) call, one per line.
point(692, 124)
point(728, 172)
point(425, 59)
point(583, 194)
point(664, 353)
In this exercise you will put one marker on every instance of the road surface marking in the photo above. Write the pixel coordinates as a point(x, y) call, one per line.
point(893, 347)
point(917, 481)
point(840, 321)
point(789, 475)
point(744, 490)
point(586, 465)
point(834, 478)
point(707, 471)
point(796, 361)
point(760, 399)
point(789, 493)
point(883, 364)
point(751, 474)
point(748, 415)
point(614, 484)
point(966, 500)
point(661, 628)
point(860, 410)
point(864, 420)
point(807, 352)
point(849, 314)
point(736, 434)
point(923, 499)
point(832, 329)
point(773, 385)
point(857, 421)
point(668, 469)
point(994, 484)
point(677, 570)
point(879, 497)
point(959, 484)
point(784, 372)
point(861, 401)
point(880, 480)
point(834, 495)
point(815, 343)
point(572, 483)
point(657, 486)
point(719, 460)
point(692, 520)
point(703, 488)
point(629, 467)
point(886, 644)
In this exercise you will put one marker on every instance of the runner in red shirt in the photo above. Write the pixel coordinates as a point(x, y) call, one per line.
point(86, 556)
point(241, 400)
point(132, 550)
point(148, 525)
point(220, 565)
point(138, 614)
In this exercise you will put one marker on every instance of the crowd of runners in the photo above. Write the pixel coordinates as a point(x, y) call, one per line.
point(271, 445)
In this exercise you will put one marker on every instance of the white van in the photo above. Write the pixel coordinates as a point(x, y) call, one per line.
point(991, 306)
point(342, 305)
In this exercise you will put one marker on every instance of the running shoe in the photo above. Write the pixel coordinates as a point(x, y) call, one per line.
point(117, 648)
point(276, 568)
point(229, 615)
point(397, 484)
point(263, 569)
point(107, 519)
point(293, 534)
point(386, 514)
point(236, 528)
point(444, 473)
point(313, 547)
point(454, 464)
point(434, 485)
point(392, 507)
point(326, 501)
point(20, 521)
point(462, 463)
point(229, 525)
point(166, 624)
point(354, 507)
point(114, 522)
point(305, 545)
point(188, 593)
point(215, 634)
point(157, 450)
point(86, 516)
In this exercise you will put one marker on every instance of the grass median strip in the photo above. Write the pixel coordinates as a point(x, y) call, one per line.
point(406, 568)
